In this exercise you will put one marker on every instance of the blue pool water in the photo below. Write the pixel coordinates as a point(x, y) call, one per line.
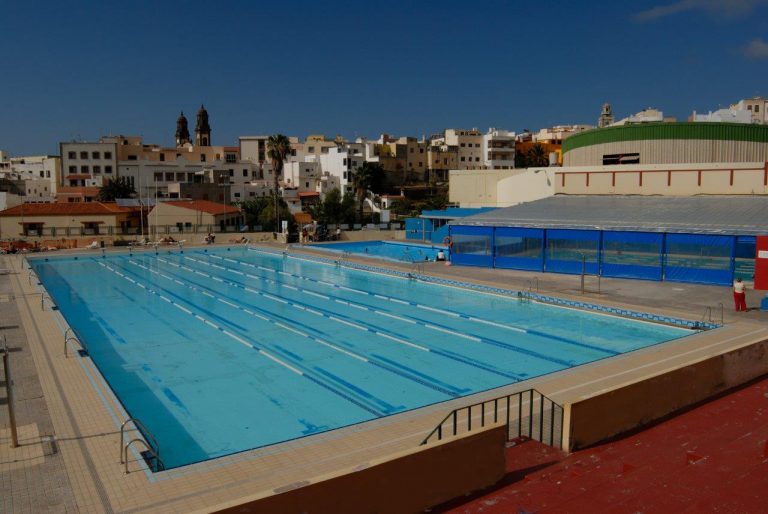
point(389, 250)
point(222, 351)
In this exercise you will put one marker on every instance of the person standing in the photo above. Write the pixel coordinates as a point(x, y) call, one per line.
point(740, 295)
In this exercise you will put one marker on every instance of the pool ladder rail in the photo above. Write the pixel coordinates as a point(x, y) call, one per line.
point(153, 460)
point(707, 316)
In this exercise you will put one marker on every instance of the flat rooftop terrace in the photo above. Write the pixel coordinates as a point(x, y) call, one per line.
point(69, 421)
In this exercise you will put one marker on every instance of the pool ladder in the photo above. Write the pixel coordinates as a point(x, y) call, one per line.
point(345, 255)
point(707, 316)
point(156, 464)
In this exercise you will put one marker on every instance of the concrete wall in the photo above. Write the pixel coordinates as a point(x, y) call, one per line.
point(500, 188)
point(410, 483)
point(600, 417)
point(673, 180)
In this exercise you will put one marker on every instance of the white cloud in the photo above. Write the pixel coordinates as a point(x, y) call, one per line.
point(756, 49)
point(718, 8)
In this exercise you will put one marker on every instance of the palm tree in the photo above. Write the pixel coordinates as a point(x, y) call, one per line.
point(278, 149)
point(116, 188)
point(367, 176)
point(537, 156)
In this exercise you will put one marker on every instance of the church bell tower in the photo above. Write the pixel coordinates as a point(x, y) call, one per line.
point(182, 132)
point(202, 128)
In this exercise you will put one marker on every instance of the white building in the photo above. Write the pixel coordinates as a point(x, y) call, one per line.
point(724, 115)
point(755, 107)
point(40, 175)
point(557, 133)
point(87, 164)
point(649, 115)
point(341, 163)
point(499, 149)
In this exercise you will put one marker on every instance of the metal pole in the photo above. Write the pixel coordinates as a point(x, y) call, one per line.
point(583, 270)
point(9, 390)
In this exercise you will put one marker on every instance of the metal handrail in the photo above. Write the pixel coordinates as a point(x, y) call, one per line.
point(158, 461)
point(72, 338)
point(722, 313)
point(142, 429)
point(531, 282)
point(529, 429)
point(707, 315)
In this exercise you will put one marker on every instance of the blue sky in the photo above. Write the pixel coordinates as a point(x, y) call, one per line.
point(85, 69)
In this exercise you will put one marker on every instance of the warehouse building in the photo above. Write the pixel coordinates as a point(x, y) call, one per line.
point(668, 143)
point(701, 239)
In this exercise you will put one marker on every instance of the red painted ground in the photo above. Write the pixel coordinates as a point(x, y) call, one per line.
point(713, 458)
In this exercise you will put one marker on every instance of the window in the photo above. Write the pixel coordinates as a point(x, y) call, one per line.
point(84, 169)
point(463, 159)
point(42, 174)
point(311, 149)
point(757, 108)
point(618, 158)
point(231, 173)
point(180, 176)
point(133, 158)
point(245, 173)
point(158, 177)
point(237, 195)
point(252, 193)
point(230, 157)
point(107, 155)
point(202, 157)
point(421, 164)
point(73, 169)
point(749, 107)
point(107, 169)
point(47, 173)
point(344, 161)
point(83, 155)
point(411, 149)
point(162, 156)
point(169, 176)
point(72, 155)
point(463, 145)
point(421, 150)
point(97, 169)
point(477, 145)
point(306, 184)
point(95, 155)
point(477, 159)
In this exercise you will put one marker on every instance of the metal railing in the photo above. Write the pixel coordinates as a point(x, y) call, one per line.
point(150, 443)
point(527, 414)
point(707, 316)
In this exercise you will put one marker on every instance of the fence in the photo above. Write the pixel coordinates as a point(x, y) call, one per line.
point(527, 414)
point(698, 258)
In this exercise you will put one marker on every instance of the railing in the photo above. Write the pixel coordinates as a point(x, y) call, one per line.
point(707, 316)
point(157, 465)
point(527, 414)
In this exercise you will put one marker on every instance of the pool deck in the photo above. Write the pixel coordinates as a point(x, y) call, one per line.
point(69, 421)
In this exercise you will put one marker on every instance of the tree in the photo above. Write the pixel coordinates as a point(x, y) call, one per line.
point(537, 156)
point(116, 188)
point(367, 176)
point(521, 160)
point(261, 211)
point(278, 149)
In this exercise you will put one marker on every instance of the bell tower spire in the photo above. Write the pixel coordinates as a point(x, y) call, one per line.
point(202, 128)
point(182, 132)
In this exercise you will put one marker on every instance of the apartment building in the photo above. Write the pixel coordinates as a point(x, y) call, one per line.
point(469, 145)
point(499, 149)
point(86, 164)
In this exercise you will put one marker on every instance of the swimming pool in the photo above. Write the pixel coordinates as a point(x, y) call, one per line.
point(389, 250)
point(221, 351)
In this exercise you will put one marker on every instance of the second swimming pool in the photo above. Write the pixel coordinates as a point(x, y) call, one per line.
point(221, 351)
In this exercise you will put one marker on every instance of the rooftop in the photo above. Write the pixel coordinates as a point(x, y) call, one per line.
point(64, 209)
point(205, 206)
point(740, 215)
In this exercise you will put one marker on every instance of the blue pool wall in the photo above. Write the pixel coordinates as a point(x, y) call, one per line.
point(674, 257)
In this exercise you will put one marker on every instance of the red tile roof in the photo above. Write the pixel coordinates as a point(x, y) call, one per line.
point(205, 206)
point(308, 194)
point(64, 209)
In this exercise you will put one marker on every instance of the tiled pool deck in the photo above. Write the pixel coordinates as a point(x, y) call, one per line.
point(80, 470)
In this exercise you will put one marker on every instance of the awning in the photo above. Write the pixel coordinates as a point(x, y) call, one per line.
point(91, 222)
